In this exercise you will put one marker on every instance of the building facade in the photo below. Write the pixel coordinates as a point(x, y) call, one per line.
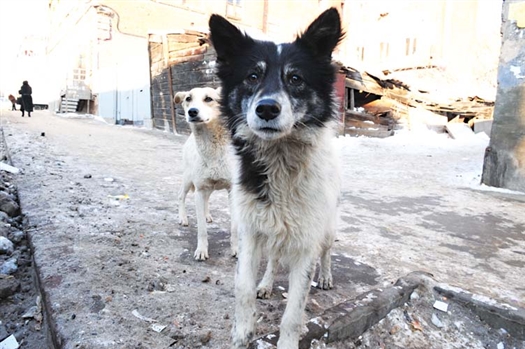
point(99, 50)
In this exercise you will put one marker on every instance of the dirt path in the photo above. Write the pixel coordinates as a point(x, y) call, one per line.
point(100, 258)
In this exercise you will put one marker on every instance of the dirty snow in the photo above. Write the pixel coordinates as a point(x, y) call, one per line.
point(409, 202)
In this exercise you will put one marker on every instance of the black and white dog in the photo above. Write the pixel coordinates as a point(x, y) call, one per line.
point(279, 104)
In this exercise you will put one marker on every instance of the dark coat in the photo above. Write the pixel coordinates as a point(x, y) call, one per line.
point(27, 100)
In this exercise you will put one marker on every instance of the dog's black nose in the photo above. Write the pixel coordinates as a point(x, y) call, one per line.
point(193, 112)
point(193, 115)
point(268, 109)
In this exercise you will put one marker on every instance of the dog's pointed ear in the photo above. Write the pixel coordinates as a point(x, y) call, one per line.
point(323, 35)
point(228, 41)
point(179, 97)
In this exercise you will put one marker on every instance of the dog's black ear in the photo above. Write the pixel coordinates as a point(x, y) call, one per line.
point(323, 35)
point(226, 38)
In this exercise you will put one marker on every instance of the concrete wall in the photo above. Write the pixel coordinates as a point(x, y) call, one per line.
point(504, 164)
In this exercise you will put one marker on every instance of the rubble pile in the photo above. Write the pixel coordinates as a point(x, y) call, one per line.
point(20, 310)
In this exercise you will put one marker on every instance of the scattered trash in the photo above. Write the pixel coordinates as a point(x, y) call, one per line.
point(281, 288)
point(439, 305)
point(170, 288)
point(314, 302)
point(88, 176)
point(9, 168)
point(35, 312)
point(435, 320)
point(137, 315)
point(119, 197)
point(314, 284)
point(503, 332)
point(285, 295)
point(395, 329)
point(501, 345)
point(416, 326)
point(109, 179)
point(30, 313)
point(157, 327)
point(9, 343)
point(408, 318)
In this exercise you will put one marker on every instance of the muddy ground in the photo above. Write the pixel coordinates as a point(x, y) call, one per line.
point(115, 267)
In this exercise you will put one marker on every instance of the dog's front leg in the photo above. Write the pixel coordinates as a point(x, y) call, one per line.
point(300, 278)
point(234, 236)
point(245, 276)
point(201, 253)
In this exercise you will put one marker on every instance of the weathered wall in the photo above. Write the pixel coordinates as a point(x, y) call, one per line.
point(179, 62)
point(504, 164)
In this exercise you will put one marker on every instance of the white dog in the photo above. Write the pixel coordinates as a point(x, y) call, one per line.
point(205, 159)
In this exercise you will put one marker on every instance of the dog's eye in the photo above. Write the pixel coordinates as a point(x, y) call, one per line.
point(295, 80)
point(188, 99)
point(208, 99)
point(253, 78)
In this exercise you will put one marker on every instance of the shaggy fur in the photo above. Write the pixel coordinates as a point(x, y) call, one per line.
point(205, 158)
point(279, 105)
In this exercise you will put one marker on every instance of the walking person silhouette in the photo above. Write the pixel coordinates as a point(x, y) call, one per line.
point(27, 100)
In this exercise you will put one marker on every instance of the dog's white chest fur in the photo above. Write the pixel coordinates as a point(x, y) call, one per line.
point(301, 191)
point(206, 153)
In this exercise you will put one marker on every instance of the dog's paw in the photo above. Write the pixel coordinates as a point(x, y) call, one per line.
point(264, 292)
point(201, 254)
point(234, 251)
point(325, 283)
point(241, 337)
point(184, 222)
point(209, 219)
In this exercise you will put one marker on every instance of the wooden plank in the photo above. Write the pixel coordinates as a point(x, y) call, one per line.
point(366, 125)
point(185, 38)
point(172, 105)
point(367, 117)
point(368, 133)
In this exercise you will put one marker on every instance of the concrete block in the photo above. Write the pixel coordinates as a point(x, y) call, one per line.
point(494, 313)
point(483, 126)
point(459, 130)
point(348, 320)
point(422, 118)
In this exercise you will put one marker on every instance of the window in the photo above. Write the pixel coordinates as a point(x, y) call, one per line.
point(234, 9)
point(361, 53)
point(384, 50)
point(410, 46)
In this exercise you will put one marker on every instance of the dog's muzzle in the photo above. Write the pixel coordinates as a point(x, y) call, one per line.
point(193, 115)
